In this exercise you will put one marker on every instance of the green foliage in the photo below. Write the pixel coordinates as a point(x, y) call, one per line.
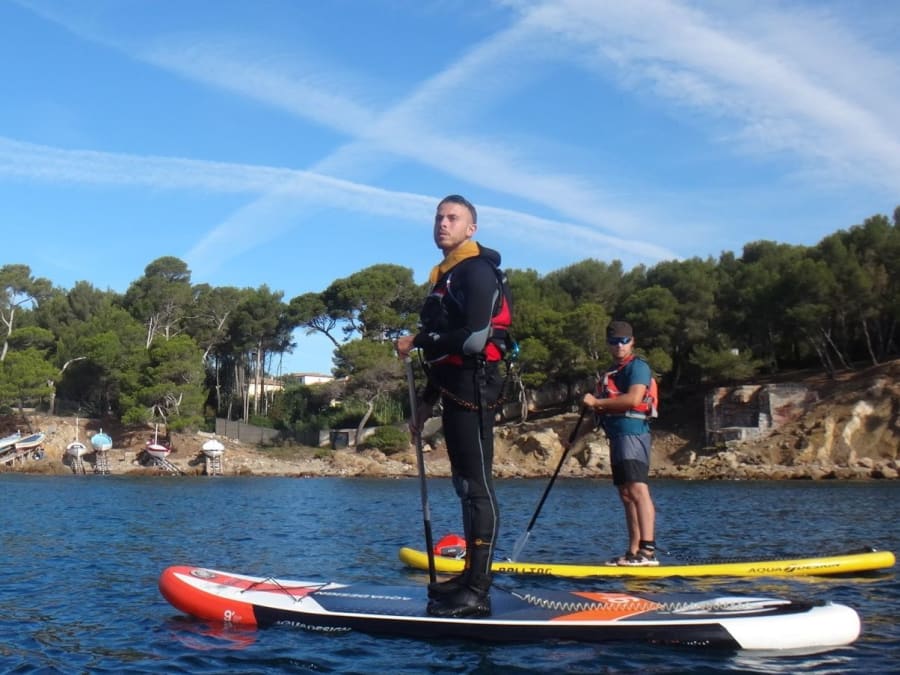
point(361, 357)
point(169, 350)
point(136, 415)
point(209, 318)
point(654, 312)
point(171, 384)
point(310, 311)
point(378, 302)
point(300, 408)
point(585, 326)
point(535, 360)
point(260, 421)
point(588, 281)
point(348, 414)
point(659, 359)
point(721, 366)
point(294, 403)
point(25, 376)
point(32, 337)
point(19, 291)
point(388, 411)
point(390, 440)
point(374, 377)
point(352, 411)
point(160, 299)
point(101, 360)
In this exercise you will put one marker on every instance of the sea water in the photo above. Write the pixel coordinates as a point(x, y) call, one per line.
point(80, 558)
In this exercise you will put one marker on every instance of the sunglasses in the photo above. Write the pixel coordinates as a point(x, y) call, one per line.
point(618, 340)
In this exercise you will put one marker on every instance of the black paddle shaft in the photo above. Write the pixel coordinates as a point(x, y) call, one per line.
point(420, 460)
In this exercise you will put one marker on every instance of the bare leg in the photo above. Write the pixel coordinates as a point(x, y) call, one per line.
point(640, 513)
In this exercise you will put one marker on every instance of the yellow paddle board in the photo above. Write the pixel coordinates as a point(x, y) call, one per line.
point(845, 563)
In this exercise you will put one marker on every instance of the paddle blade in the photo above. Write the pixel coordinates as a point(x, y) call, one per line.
point(520, 545)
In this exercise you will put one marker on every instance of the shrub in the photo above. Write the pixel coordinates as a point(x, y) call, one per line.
point(390, 440)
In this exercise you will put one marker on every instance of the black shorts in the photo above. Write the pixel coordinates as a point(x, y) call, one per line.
point(630, 457)
point(630, 471)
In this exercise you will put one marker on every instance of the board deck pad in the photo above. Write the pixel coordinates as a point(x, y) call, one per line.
point(518, 615)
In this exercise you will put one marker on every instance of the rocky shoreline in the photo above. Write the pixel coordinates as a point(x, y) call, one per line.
point(852, 433)
point(520, 453)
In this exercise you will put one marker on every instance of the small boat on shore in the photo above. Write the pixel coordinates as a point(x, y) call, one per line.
point(24, 446)
point(9, 441)
point(156, 449)
point(101, 442)
point(29, 442)
point(76, 448)
point(213, 448)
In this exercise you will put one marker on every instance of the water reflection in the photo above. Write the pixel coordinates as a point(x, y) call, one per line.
point(202, 636)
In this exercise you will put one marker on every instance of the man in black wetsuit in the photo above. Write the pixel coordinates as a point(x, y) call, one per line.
point(463, 332)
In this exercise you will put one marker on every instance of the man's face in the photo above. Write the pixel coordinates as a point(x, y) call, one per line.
point(620, 348)
point(452, 226)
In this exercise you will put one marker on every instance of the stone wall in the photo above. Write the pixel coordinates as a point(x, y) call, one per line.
point(735, 414)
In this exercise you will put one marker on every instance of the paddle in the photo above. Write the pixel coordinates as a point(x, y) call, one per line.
point(522, 540)
point(420, 460)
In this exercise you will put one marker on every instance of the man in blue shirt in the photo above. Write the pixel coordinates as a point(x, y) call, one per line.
point(625, 401)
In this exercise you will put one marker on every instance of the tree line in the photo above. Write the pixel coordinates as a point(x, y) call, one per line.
point(175, 352)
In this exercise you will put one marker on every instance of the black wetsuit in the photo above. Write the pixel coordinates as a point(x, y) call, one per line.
point(458, 320)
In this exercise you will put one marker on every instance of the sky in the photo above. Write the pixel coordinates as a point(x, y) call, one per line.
point(289, 144)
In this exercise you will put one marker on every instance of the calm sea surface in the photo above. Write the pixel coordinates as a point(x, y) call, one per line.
point(81, 557)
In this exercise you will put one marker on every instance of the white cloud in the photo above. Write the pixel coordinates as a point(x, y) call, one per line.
point(411, 128)
point(282, 197)
point(783, 94)
point(748, 84)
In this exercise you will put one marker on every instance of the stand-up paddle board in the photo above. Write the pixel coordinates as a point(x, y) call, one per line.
point(866, 560)
point(695, 620)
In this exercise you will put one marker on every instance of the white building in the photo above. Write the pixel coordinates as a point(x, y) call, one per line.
point(269, 386)
point(309, 378)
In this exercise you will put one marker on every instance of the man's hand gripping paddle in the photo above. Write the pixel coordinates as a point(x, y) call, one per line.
point(522, 540)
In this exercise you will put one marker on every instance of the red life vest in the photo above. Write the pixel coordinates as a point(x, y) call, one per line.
point(499, 340)
point(646, 409)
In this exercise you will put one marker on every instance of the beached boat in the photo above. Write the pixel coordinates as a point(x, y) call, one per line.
point(29, 442)
point(76, 448)
point(9, 441)
point(101, 442)
point(213, 448)
point(24, 446)
point(156, 449)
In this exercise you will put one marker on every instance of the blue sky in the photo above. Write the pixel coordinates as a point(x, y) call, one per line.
point(290, 143)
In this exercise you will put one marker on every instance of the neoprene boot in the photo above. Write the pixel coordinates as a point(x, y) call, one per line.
point(472, 599)
point(441, 589)
point(472, 595)
point(438, 590)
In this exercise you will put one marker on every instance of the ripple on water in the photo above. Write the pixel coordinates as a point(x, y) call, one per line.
point(82, 556)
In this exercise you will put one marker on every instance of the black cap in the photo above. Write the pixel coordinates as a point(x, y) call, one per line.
point(619, 329)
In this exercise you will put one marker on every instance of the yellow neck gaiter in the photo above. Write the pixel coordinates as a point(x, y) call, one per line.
point(468, 249)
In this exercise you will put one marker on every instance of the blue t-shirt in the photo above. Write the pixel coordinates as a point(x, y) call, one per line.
point(636, 371)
